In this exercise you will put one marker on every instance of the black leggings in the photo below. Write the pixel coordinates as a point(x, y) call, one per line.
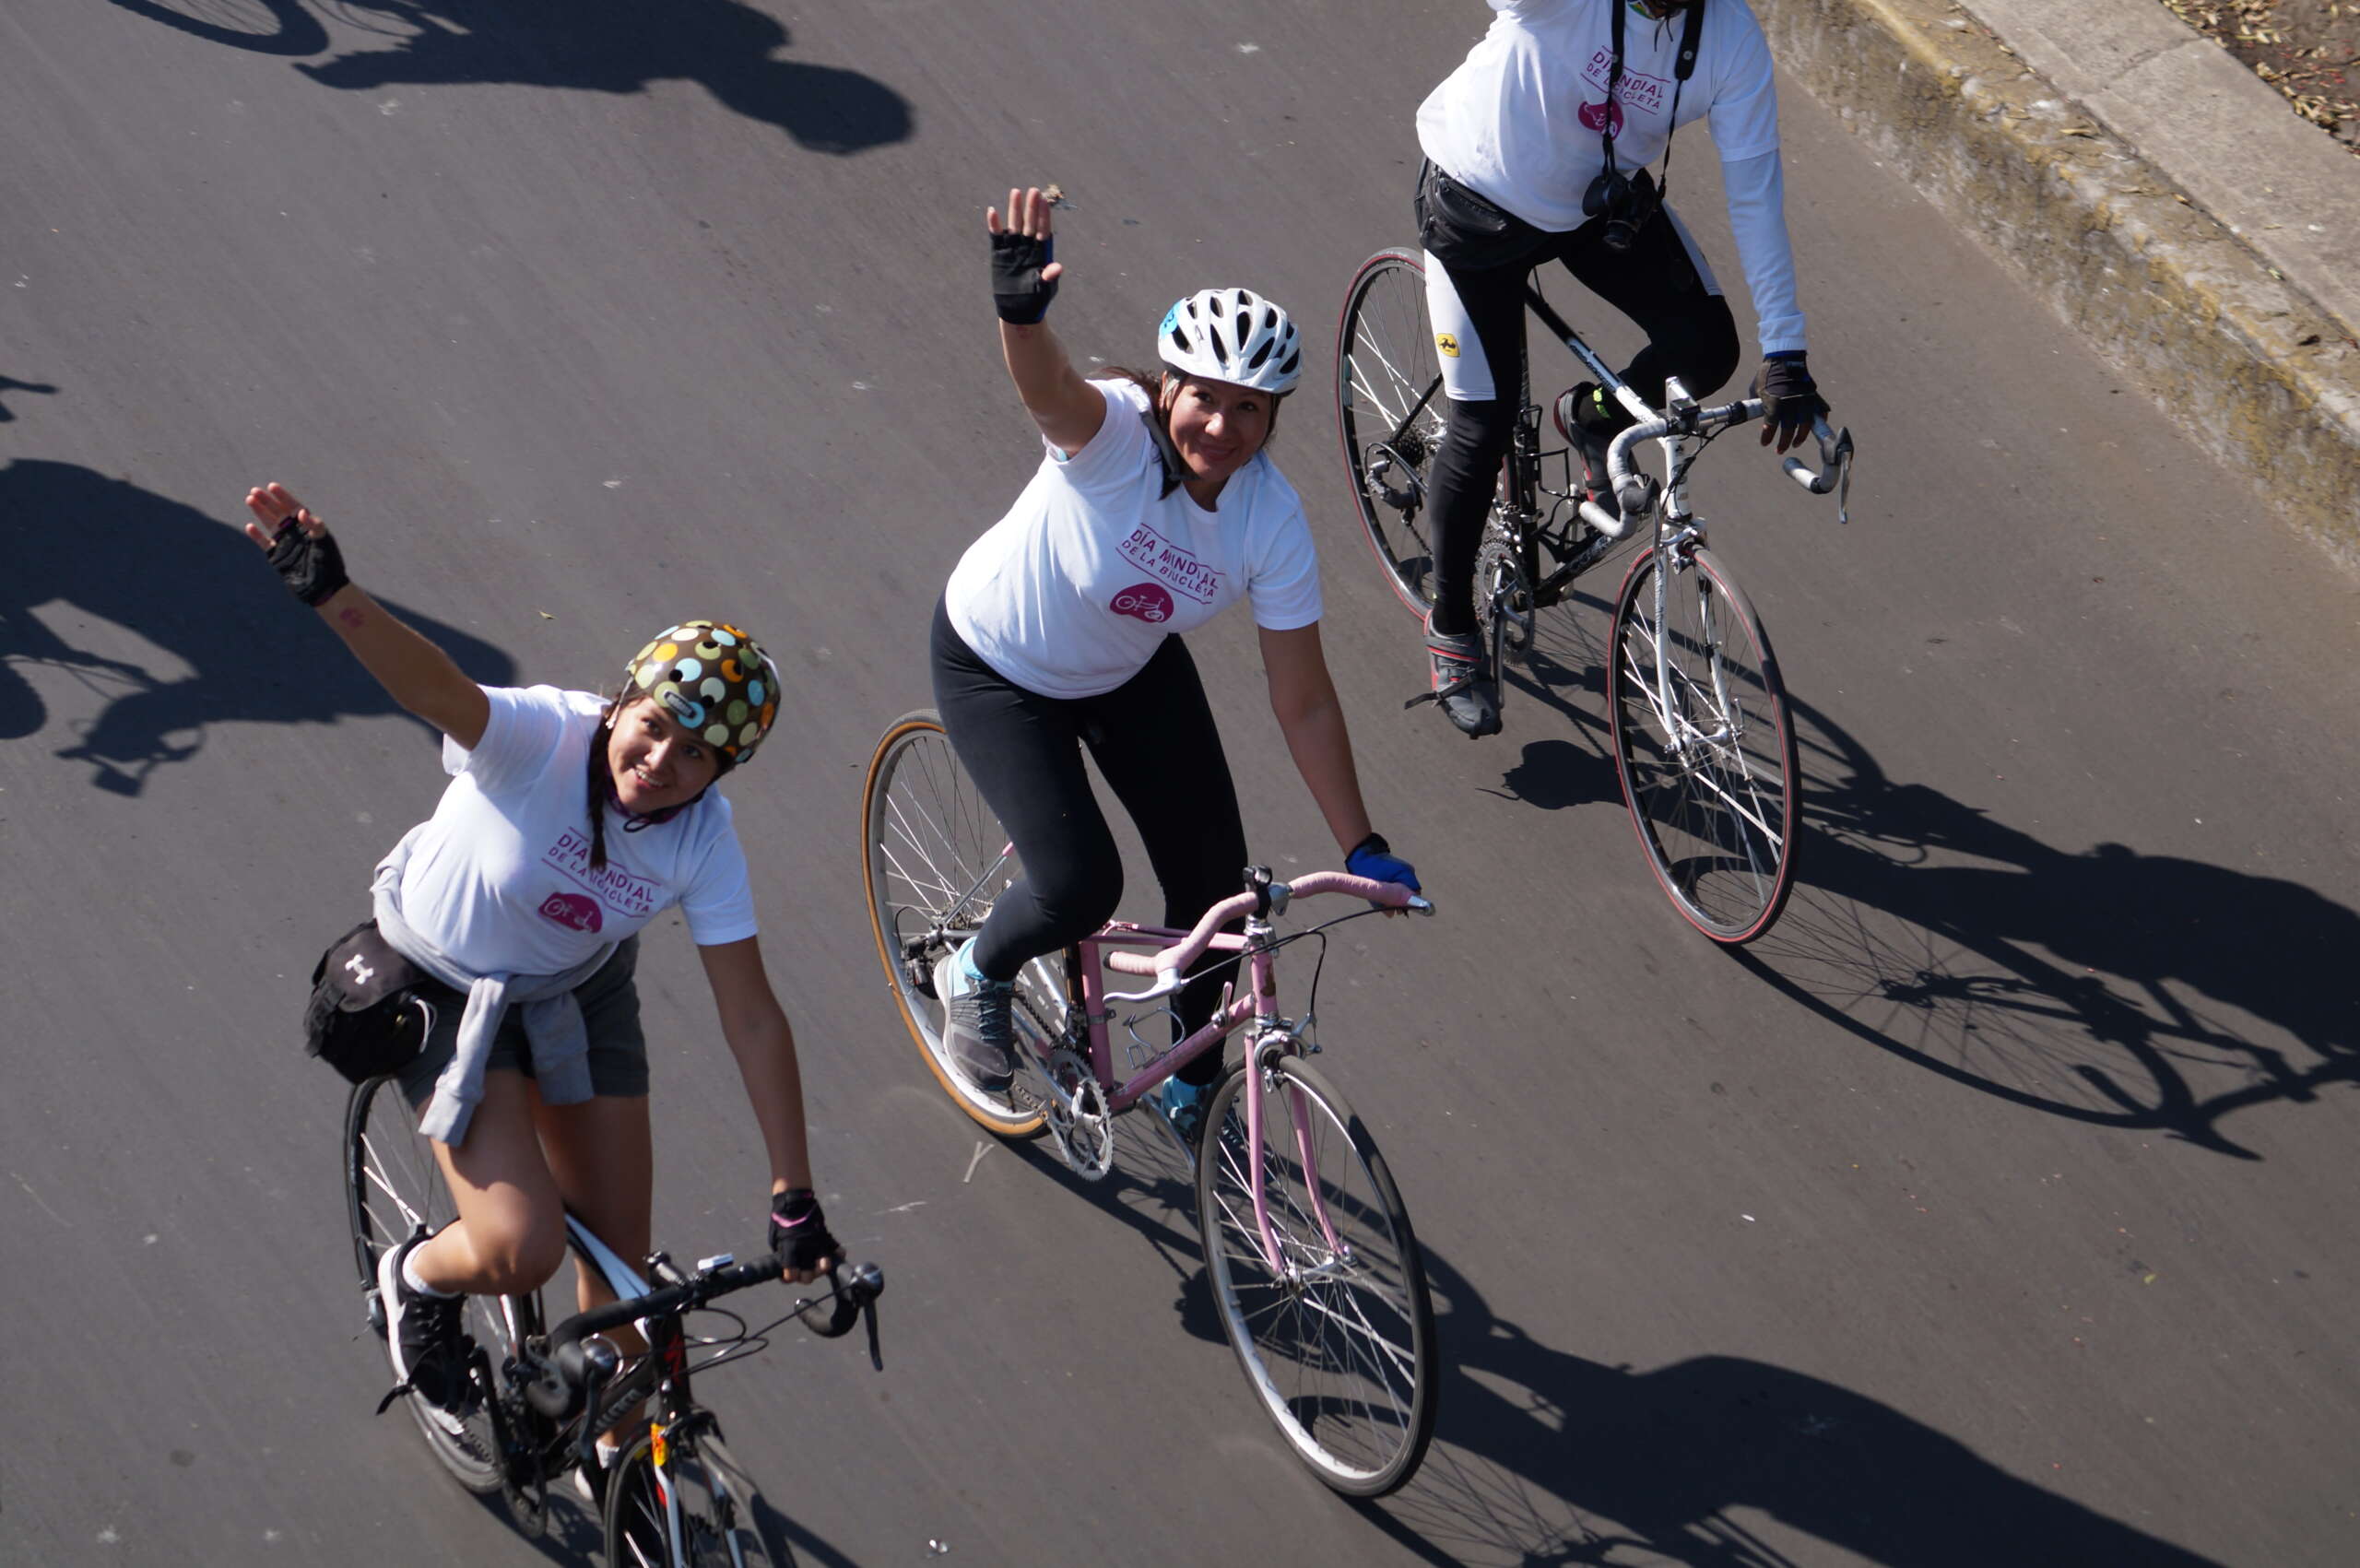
point(1690, 334)
point(1153, 740)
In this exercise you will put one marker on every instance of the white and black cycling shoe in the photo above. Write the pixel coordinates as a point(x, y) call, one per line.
point(425, 1340)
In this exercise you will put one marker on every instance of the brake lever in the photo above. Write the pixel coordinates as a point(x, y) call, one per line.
point(1167, 981)
point(868, 1316)
point(1835, 466)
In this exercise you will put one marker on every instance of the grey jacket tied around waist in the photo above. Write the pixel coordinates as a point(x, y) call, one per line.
point(552, 1019)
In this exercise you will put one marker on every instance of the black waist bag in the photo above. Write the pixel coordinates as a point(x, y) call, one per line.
point(1462, 229)
point(370, 1011)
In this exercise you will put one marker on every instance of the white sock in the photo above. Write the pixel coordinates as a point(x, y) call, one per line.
point(410, 1278)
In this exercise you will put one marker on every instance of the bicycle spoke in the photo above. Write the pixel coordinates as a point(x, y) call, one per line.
point(1388, 376)
point(1337, 1338)
point(1702, 747)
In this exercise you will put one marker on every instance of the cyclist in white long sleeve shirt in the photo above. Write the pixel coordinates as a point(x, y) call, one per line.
point(1537, 148)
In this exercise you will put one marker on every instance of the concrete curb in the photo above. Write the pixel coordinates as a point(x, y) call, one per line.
point(2254, 366)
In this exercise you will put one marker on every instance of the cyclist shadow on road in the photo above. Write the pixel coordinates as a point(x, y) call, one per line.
point(2107, 985)
point(621, 46)
point(1566, 670)
point(87, 549)
point(9, 384)
point(1543, 1456)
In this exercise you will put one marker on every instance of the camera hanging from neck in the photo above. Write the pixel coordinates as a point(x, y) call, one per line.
point(1613, 192)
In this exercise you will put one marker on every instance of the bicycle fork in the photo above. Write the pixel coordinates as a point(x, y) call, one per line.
point(1274, 1040)
point(1676, 555)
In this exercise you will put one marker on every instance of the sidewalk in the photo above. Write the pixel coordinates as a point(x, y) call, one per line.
point(2161, 198)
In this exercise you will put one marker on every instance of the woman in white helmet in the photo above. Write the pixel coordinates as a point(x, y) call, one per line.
point(1154, 507)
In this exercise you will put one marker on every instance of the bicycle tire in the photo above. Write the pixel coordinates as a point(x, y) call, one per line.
point(1719, 831)
point(725, 1521)
point(1386, 361)
point(928, 837)
point(1360, 1419)
point(392, 1185)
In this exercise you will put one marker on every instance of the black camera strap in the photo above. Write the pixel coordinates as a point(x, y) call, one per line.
point(1692, 34)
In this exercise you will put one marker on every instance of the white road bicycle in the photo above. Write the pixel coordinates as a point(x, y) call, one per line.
point(1703, 744)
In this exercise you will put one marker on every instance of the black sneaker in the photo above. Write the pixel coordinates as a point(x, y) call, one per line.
point(424, 1336)
point(1462, 684)
point(978, 1024)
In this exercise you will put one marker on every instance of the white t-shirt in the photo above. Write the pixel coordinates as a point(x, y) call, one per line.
point(1073, 591)
point(500, 877)
point(1518, 123)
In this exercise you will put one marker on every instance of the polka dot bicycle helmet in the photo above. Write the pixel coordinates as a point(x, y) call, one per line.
point(1232, 334)
point(714, 680)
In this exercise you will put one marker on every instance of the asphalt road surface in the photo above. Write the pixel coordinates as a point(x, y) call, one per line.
point(1998, 1207)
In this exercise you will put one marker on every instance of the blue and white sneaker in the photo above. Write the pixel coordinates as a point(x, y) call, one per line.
point(1183, 1107)
point(978, 1021)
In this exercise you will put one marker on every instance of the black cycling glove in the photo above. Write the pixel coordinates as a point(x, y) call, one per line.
point(799, 1231)
point(1790, 399)
point(312, 567)
point(1018, 290)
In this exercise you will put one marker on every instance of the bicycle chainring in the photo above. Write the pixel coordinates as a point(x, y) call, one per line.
point(1078, 1116)
point(1501, 588)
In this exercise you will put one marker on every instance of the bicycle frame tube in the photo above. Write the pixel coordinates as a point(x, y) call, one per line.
point(1259, 1005)
point(1584, 353)
point(1235, 1012)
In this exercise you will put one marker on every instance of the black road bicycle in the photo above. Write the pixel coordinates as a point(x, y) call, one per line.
point(538, 1398)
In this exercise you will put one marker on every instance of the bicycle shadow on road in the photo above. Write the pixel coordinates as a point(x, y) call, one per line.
point(84, 548)
point(2108, 987)
point(1544, 1457)
point(608, 46)
point(1566, 670)
point(1152, 1189)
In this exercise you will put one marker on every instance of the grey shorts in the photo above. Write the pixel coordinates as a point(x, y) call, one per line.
point(609, 1002)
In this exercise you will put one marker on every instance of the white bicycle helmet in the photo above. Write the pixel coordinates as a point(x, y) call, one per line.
point(1232, 334)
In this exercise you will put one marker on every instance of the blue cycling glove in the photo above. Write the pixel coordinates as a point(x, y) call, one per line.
point(1375, 859)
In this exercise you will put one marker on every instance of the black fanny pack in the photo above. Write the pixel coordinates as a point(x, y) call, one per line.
point(1466, 230)
point(371, 1009)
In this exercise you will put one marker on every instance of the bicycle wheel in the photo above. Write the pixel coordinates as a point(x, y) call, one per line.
point(1389, 410)
point(1339, 1342)
point(393, 1185)
point(934, 858)
point(1715, 812)
point(724, 1521)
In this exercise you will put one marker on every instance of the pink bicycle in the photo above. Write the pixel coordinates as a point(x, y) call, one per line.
point(1314, 1270)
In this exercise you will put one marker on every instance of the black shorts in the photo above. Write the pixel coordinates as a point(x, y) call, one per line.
point(609, 1002)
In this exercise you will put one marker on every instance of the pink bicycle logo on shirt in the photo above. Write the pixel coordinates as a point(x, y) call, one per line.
point(1146, 600)
point(574, 910)
point(1593, 116)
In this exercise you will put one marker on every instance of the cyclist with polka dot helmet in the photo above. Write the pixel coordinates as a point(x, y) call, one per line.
point(571, 822)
